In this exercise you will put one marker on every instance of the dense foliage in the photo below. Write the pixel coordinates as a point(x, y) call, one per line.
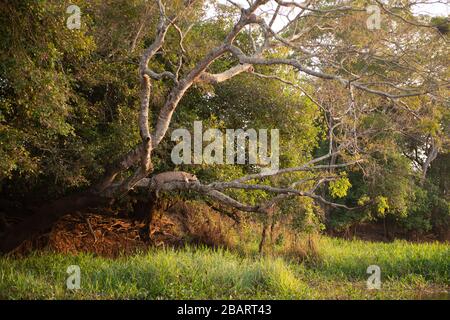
point(69, 101)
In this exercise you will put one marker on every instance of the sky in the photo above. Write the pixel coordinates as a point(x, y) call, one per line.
point(431, 7)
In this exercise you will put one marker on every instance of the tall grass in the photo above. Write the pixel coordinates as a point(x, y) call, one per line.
point(408, 270)
point(164, 274)
point(397, 259)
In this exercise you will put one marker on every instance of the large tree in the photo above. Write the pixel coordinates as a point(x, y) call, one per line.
point(322, 50)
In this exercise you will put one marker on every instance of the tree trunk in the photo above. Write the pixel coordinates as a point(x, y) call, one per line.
point(272, 230)
point(144, 210)
point(263, 238)
point(266, 226)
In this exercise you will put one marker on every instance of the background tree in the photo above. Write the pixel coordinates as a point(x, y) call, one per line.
point(346, 97)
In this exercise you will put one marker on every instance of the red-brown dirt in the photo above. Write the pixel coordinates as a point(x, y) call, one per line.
point(111, 236)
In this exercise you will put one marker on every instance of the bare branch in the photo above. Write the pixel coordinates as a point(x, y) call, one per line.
point(296, 64)
point(226, 75)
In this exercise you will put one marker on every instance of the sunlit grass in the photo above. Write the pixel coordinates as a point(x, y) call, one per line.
point(398, 259)
point(408, 271)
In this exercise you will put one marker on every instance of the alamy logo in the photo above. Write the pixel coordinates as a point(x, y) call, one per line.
point(374, 281)
point(235, 143)
point(74, 279)
point(74, 20)
point(373, 22)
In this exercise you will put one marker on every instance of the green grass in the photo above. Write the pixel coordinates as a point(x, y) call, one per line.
point(397, 260)
point(407, 271)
